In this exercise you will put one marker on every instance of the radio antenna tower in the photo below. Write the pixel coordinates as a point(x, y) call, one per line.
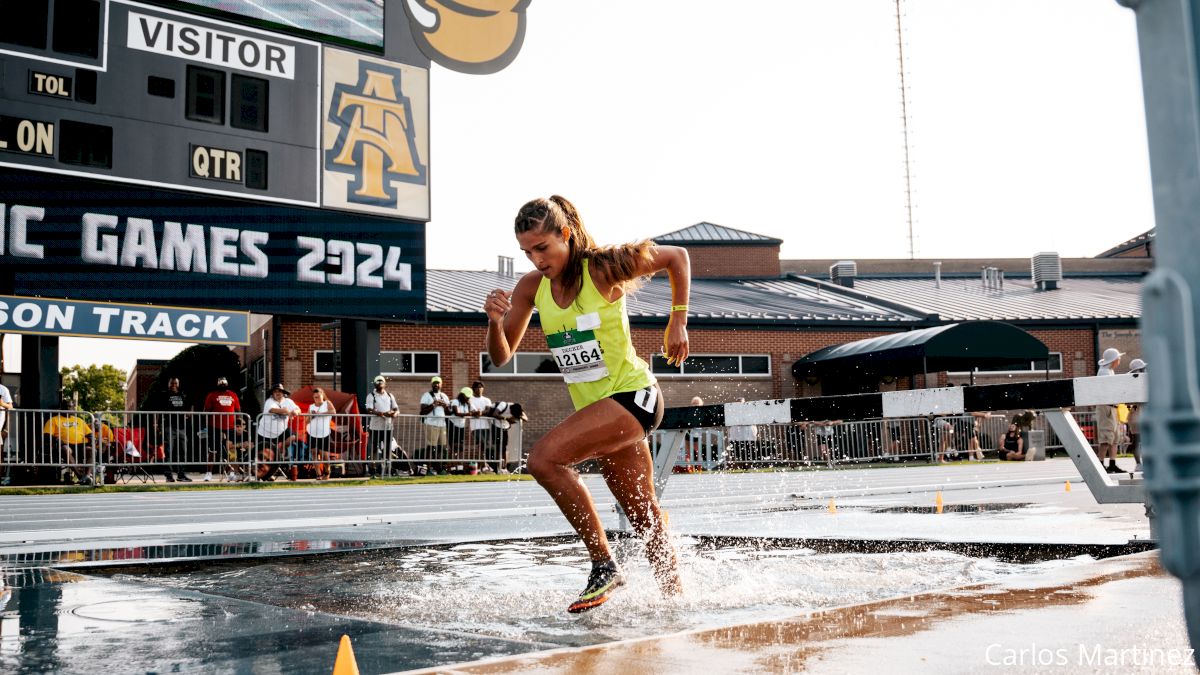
point(908, 202)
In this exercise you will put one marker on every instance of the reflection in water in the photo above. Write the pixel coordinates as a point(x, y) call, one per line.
point(519, 590)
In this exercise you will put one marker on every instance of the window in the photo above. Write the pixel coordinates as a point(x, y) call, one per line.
point(326, 363)
point(24, 23)
point(249, 103)
point(85, 144)
point(77, 27)
point(390, 363)
point(714, 365)
point(1054, 362)
point(205, 95)
point(522, 363)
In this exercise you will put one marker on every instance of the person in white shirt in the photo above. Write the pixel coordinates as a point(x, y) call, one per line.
point(274, 432)
point(483, 430)
point(503, 414)
point(434, 404)
point(381, 405)
point(320, 427)
point(460, 410)
point(1107, 423)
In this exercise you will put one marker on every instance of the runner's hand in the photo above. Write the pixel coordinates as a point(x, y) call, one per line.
point(675, 346)
point(497, 305)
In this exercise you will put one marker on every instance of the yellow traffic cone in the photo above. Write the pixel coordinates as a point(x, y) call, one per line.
point(832, 507)
point(345, 663)
point(1067, 487)
point(939, 501)
point(666, 518)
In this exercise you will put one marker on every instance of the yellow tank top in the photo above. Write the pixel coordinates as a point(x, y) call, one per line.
point(591, 343)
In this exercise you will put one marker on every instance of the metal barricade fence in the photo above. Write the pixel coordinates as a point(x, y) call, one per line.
point(867, 441)
point(172, 444)
point(49, 446)
point(366, 445)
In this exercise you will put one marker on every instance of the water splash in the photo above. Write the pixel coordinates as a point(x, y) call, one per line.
point(520, 589)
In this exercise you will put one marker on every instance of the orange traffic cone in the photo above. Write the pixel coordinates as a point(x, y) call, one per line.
point(345, 663)
point(939, 501)
point(832, 507)
point(1067, 487)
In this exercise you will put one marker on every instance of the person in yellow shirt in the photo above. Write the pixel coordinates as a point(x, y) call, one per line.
point(69, 436)
point(579, 290)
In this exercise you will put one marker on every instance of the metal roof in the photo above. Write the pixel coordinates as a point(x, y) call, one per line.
point(956, 346)
point(807, 300)
point(966, 299)
point(710, 233)
point(786, 300)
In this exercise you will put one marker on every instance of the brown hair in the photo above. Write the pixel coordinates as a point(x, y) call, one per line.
point(318, 390)
point(618, 264)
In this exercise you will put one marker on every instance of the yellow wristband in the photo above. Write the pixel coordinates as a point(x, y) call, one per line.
point(678, 308)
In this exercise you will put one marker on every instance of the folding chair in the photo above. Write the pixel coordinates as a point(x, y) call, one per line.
point(129, 453)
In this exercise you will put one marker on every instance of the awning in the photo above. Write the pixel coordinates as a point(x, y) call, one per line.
point(954, 347)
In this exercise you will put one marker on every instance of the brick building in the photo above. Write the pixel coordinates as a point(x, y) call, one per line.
point(752, 316)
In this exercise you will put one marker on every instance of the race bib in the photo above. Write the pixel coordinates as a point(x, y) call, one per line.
point(577, 353)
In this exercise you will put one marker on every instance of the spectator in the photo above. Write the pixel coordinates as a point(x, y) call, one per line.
point(381, 405)
point(825, 443)
point(223, 405)
point(237, 450)
point(320, 421)
point(434, 404)
point(504, 415)
point(974, 449)
point(483, 430)
point(943, 436)
point(460, 410)
point(274, 430)
point(692, 444)
point(171, 429)
point(1107, 422)
point(1012, 444)
point(1133, 421)
point(69, 436)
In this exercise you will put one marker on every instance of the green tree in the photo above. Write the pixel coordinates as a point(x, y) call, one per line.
point(98, 387)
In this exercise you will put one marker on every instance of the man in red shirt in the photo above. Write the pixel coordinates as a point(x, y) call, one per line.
point(222, 400)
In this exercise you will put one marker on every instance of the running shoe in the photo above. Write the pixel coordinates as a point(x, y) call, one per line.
point(604, 579)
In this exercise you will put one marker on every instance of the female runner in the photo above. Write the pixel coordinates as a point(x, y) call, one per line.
point(579, 291)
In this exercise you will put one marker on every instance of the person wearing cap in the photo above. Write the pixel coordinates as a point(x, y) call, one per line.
point(1133, 421)
point(221, 407)
point(382, 407)
point(434, 404)
point(275, 432)
point(460, 410)
point(1107, 421)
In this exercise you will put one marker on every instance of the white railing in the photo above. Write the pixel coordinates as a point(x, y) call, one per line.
point(856, 442)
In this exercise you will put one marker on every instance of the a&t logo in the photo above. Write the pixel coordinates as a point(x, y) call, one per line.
point(376, 142)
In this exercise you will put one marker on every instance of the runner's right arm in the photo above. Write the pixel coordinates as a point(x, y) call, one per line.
point(508, 317)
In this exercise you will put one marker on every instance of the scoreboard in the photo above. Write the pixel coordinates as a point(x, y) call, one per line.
point(170, 154)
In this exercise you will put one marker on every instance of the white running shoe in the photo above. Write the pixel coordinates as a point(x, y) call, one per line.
point(207, 476)
point(232, 477)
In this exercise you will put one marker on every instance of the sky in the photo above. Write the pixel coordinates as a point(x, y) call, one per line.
point(1025, 120)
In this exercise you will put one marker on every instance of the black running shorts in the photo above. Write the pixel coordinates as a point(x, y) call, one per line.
point(644, 404)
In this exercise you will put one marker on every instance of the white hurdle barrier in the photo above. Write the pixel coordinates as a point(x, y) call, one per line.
point(1051, 395)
